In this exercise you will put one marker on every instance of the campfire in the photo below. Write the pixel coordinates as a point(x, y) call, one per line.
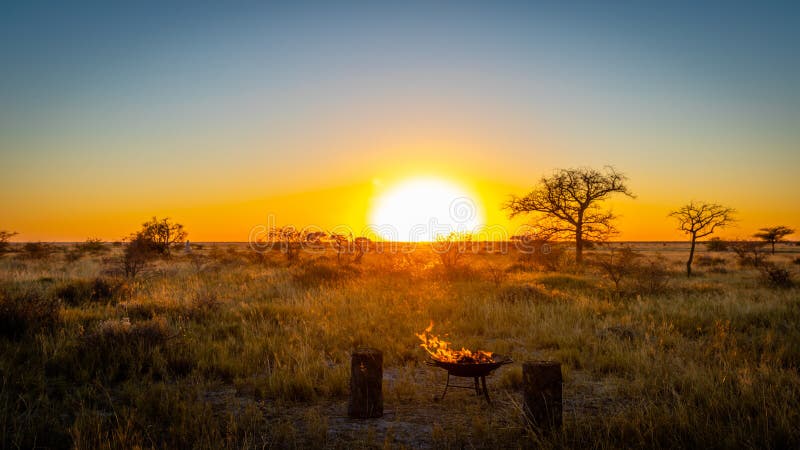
point(461, 363)
point(440, 350)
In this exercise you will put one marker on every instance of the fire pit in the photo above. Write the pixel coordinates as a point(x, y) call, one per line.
point(461, 363)
point(476, 371)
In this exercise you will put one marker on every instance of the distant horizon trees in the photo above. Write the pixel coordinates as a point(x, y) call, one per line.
point(567, 203)
point(701, 219)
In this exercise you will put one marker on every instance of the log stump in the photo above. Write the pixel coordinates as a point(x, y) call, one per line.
point(542, 393)
point(366, 384)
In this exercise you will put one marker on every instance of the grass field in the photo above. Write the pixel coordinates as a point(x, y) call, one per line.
point(228, 348)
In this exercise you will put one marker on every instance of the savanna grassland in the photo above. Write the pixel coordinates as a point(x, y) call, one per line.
point(229, 348)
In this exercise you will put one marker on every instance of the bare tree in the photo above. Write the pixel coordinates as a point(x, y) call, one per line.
point(568, 204)
point(771, 235)
point(700, 219)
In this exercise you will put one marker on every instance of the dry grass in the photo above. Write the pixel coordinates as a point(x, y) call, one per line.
point(227, 350)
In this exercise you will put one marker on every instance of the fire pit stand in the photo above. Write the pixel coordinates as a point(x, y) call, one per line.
point(476, 371)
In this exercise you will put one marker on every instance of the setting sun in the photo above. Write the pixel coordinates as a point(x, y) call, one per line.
point(422, 209)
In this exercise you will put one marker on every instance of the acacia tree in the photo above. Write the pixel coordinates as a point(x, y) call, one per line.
point(567, 204)
point(771, 235)
point(700, 219)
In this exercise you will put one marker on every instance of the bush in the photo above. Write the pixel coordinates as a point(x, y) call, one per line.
point(525, 293)
point(37, 250)
point(136, 258)
point(618, 265)
point(314, 273)
point(709, 261)
point(775, 276)
point(749, 253)
point(543, 255)
point(117, 350)
point(79, 292)
point(25, 311)
point(92, 245)
point(652, 277)
point(716, 244)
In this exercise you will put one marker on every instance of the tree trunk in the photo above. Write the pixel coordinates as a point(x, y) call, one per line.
point(579, 245)
point(691, 257)
point(773, 247)
point(542, 393)
point(366, 384)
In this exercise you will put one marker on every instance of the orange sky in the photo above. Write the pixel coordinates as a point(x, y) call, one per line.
point(110, 117)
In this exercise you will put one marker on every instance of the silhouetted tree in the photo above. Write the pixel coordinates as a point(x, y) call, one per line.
point(4, 237)
point(162, 234)
point(771, 235)
point(700, 219)
point(568, 204)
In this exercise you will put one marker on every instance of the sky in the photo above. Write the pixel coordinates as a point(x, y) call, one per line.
point(227, 115)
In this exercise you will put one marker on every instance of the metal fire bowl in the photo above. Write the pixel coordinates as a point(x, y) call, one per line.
point(470, 370)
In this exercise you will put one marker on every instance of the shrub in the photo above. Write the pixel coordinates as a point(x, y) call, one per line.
point(37, 250)
point(525, 293)
point(775, 276)
point(26, 311)
point(749, 253)
point(313, 273)
point(651, 277)
point(136, 258)
point(79, 292)
point(451, 248)
point(709, 261)
point(716, 244)
point(542, 254)
point(117, 350)
point(617, 265)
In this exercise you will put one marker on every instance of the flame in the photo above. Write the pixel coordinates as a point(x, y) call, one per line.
point(440, 350)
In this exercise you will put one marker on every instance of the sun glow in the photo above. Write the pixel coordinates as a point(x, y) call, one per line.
point(423, 209)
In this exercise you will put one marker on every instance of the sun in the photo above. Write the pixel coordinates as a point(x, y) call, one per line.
point(421, 209)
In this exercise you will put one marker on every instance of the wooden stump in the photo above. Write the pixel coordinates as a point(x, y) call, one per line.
point(542, 391)
point(366, 384)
